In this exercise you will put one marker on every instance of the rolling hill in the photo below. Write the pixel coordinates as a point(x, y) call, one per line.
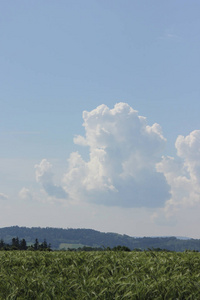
point(74, 238)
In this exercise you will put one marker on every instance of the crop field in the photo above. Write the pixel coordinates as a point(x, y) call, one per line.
point(99, 275)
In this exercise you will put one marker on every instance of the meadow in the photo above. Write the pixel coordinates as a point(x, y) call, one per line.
point(99, 275)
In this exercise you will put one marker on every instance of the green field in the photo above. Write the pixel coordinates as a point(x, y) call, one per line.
point(99, 275)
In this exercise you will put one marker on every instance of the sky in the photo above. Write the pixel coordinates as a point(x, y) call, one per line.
point(99, 115)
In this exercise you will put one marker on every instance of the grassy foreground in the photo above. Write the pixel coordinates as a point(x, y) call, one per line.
point(99, 275)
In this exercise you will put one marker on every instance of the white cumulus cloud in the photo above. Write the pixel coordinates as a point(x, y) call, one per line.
point(25, 194)
point(183, 175)
point(44, 176)
point(123, 153)
point(125, 168)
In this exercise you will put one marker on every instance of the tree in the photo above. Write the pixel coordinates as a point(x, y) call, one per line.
point(36, 245)
point(15, 243)
point(2, 244)
point(23, 245)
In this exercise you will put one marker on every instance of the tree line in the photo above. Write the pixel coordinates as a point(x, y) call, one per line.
point(17, 244)
point(93, 238)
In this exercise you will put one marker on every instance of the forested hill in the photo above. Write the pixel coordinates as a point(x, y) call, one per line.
point(74, 238)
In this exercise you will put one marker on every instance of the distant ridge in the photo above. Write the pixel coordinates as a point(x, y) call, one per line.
point(74, 238)
point(167, 236)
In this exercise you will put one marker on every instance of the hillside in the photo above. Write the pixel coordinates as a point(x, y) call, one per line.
point(59, 237)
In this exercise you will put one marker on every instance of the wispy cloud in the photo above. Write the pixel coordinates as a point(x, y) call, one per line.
point(169, 35)
point(3, 196)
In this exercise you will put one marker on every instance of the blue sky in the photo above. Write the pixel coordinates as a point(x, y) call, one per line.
point(60, 58)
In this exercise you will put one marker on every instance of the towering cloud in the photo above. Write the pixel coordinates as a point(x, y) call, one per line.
point(125, 166)
point(123, 153)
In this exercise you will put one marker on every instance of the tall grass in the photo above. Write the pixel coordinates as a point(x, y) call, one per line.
point(99, 275)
